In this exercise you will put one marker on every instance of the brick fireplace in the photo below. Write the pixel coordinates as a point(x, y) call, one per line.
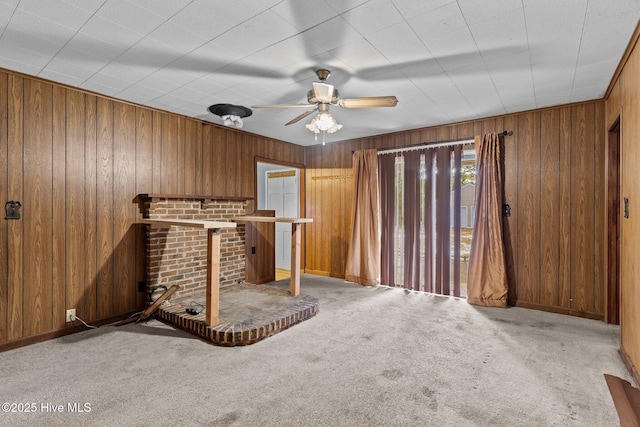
point(178, 255)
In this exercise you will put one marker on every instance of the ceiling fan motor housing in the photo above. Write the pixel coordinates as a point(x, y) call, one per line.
point(313, 99)
point(323, 74)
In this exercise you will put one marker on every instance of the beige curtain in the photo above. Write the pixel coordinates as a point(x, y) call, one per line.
point(487, 279)
point(363, 257)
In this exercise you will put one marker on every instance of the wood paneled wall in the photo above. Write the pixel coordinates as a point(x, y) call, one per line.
point(622, 102)
point(554, 182)
point(76, 161)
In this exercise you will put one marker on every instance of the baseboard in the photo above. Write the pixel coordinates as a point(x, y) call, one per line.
point(559, 310)
point(630, 366)
point(323, 273)
point(46, 336)
point(317, 272)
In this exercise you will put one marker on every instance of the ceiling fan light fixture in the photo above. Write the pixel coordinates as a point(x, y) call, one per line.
point(231, 120)
point(325, 123)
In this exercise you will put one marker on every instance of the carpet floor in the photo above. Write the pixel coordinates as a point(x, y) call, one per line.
point(372, 356)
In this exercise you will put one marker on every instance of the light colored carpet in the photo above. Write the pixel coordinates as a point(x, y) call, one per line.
point(371, 357)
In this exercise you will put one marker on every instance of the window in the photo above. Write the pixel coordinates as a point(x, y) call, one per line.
point(463, 217)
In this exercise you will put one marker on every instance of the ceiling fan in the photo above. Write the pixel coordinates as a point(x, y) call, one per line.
point(324, 95)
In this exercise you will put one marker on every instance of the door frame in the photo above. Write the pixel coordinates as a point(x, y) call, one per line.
point(612, 226)
point(301, 194)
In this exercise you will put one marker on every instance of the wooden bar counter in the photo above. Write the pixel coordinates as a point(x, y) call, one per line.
point(296, 240)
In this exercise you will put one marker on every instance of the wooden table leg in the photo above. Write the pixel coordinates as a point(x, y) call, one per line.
point(295, 259)
point(213, 278)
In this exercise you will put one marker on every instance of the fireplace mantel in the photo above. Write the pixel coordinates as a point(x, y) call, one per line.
point(145, 196)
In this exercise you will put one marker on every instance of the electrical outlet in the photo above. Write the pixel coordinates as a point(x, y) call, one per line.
point(71, 315)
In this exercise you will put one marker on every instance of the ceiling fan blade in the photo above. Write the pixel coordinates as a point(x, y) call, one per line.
point(284, 106)
point(300, 117)
point(323, 92)
point(456, 63)
point(371, 102)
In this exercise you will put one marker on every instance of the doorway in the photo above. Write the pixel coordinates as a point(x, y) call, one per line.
point(282, 198)
point(278, 189)
point(612, 290)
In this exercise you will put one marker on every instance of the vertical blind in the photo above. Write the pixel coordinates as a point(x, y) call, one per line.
point(420, 204)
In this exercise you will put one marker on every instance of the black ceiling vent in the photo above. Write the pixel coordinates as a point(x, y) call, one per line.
point(230, 110)
point(231, 114)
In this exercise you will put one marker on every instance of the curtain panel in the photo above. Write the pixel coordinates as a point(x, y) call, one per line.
point(487, 277)
point(363, 256)
point(442, 281)
point(411, 200)
point(386, 179)
point(420, 201)
point(429, 223)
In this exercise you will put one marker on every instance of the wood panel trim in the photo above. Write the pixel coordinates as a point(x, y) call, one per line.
point(278, 162)
point(550, 208)
point(331, 177)
point(322, 273)
point(67, 206)
point(626, 399)
point(629, 364)
point(623, 61)
point(560, 310)
point(38, 202)
point(15, 191)
point(145, 196)
point(564, 238)
point(57, 333)
point(281, 174)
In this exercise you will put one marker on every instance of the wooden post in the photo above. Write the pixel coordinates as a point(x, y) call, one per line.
point(213, 277)
point(295, 258)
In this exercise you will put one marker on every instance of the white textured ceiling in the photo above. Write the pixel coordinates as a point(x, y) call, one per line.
point(446, 61)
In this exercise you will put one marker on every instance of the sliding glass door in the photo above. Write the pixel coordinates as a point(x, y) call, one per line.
point(427, 199)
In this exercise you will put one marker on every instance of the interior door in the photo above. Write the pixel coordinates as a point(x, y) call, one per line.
point(282, 197)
